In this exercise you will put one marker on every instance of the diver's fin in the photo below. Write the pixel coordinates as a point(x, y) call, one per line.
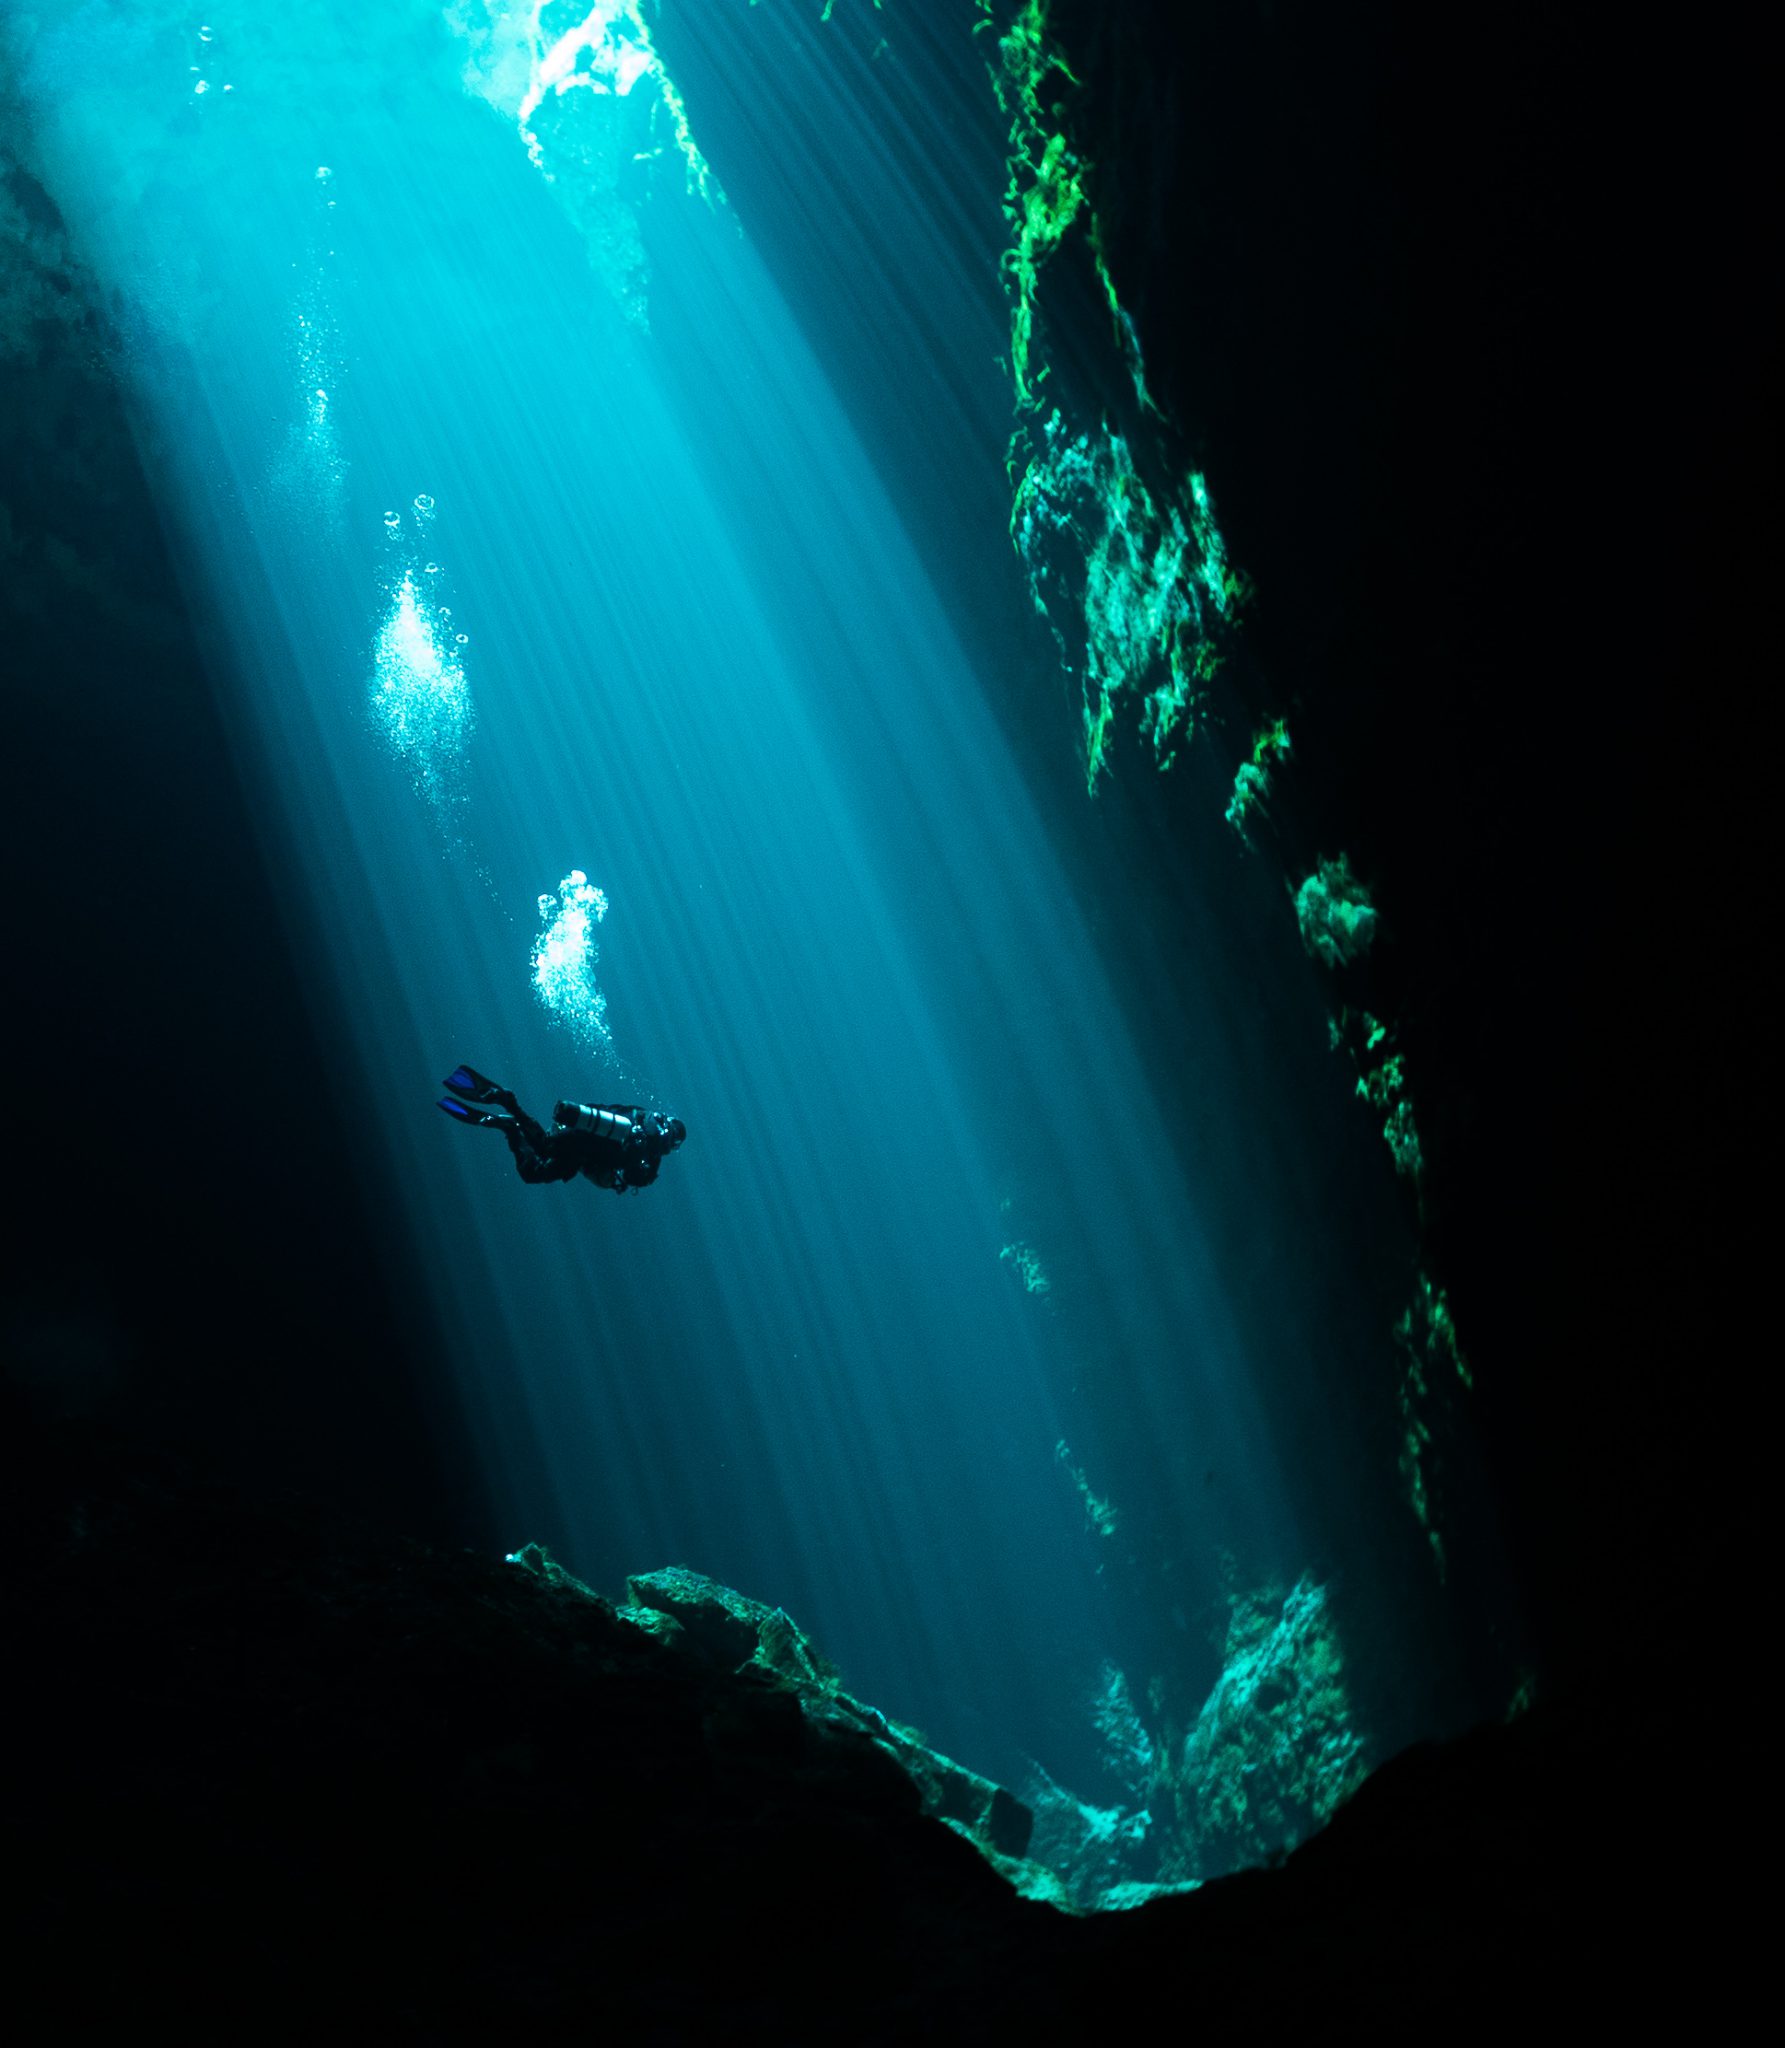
point(471, 1113)
point(469, 1083)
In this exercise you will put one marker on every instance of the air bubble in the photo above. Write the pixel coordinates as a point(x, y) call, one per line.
point(424, 504)
point(323, 174)
point(203, 85)
point(205, 34)
point(463, 639)
point(391, 522)
point(433, 568)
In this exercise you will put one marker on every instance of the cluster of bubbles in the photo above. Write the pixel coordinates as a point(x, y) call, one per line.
point(564, 957)
point(313, 355)
point(200, 83)
point(310, 471)
point(421, 700)
point(424, 511)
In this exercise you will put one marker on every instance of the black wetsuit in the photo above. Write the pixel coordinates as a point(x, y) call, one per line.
point(561, 1153)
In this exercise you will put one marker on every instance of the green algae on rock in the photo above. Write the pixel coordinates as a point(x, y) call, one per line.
point(1252, 778)
point(1337, 918)
point(1144, 568)
point(1426, 1338)
point(1030, 1270)
point(1101, 1515)
point(1273, 1752)
point(1264, 1762)
point(1134, 584)
point(726, 1630)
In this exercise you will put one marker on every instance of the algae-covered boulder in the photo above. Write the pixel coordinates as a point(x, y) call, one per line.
point(1270, 1755)
point(1095, 1849)
point(1274, 1751)
point(726, 1629)
point(1123, 1898)
point(1337, 919)
point(950, 1791)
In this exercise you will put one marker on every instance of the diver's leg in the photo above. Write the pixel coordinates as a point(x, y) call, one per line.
point(534, 1152)
point(534, 1132)
point(475, 1100)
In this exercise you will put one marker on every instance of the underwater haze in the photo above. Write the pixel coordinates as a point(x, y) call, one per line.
point(609, 583)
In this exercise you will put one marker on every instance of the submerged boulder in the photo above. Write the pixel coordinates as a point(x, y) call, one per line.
point(728, 1630)
point(1096, 1850)
point(723, 1627)
point(1274, 1752)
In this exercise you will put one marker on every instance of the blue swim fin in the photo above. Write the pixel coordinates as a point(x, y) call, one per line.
point(470, 1113)
point(469, 1083)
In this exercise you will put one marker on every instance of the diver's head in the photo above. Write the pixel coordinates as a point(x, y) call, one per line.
point(674, 1131)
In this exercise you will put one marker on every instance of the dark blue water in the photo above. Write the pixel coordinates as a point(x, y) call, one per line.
point(922, 1009)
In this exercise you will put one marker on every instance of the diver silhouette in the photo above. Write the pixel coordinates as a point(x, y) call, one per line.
point(616, 1145)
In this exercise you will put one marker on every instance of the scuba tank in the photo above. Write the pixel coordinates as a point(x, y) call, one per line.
point(597, 1122)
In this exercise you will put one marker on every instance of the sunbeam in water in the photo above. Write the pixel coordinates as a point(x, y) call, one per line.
point(1021, 1313)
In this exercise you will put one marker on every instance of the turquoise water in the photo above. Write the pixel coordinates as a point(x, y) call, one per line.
point(1020, 1307)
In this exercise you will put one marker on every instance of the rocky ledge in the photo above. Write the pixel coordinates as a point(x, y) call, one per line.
point(275, 1773)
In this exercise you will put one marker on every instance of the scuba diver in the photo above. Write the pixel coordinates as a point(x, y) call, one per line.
point(616, 1145)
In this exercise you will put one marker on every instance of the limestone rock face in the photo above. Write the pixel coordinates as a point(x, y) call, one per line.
point(1272, 1754)
point(726, 1628)
point(272, 1765)
point(731, 1632)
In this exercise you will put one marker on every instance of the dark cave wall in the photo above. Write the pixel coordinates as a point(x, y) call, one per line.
point(192, 1250)
point(1466, 318)
point(1173, 901)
